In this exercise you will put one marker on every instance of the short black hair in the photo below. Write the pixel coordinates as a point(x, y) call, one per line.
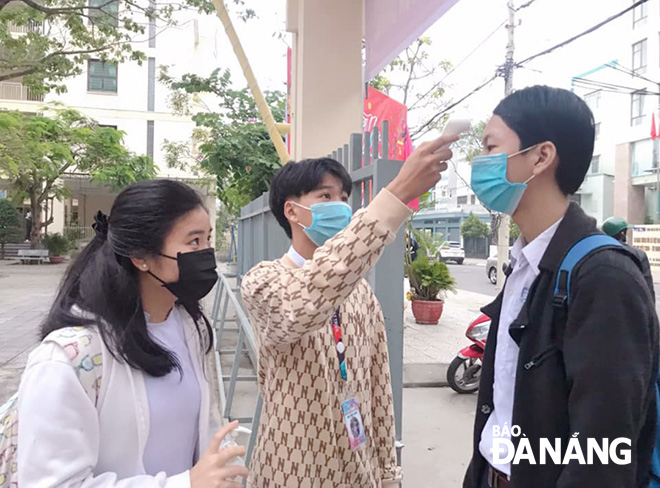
point(298, 179)
point(541, 113)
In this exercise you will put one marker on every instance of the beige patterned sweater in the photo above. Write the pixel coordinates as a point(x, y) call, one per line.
point(302, 439)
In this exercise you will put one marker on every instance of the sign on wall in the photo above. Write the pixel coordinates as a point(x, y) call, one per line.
point(647, 238)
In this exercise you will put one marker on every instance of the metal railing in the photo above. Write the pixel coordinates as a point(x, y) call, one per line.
point(225, 296)
point(17, 91)
point(76, 233)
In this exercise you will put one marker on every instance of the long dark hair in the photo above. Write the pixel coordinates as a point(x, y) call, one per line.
point(103, 282)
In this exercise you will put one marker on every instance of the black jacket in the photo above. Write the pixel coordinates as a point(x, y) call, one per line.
point(593, 375)
point(645, 267)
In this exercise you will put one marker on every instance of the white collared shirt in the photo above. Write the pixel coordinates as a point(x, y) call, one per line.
point(525, 261)
point(296, 257)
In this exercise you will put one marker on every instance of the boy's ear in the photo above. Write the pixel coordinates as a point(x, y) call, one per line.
point(290, 211)
point(547, 157)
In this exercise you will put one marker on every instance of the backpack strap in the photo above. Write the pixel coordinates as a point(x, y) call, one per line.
point(562, 291)
point(83, 347)
point(574, 256)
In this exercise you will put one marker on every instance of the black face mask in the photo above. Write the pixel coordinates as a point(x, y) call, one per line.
point(197, 275)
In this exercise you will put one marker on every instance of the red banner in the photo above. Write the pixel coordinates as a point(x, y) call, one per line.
point(378, 107)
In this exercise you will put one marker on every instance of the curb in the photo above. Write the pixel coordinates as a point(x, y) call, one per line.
point(425, 375)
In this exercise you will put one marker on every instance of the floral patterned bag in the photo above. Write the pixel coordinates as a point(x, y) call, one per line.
point(83, 348)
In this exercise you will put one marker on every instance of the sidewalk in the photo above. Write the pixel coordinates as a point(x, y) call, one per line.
point(428, 349)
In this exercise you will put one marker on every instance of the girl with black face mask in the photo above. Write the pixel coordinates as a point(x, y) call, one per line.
point(122, 390)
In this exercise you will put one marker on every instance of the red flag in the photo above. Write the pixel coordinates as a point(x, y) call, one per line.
point(654, 132)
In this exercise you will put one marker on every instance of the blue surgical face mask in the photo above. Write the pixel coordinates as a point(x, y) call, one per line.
point(489, 182)
point(328, 218)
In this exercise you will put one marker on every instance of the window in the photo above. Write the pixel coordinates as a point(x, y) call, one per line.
point(104, 12)
point(593, 100)
point(641, 155)
point(637, 108)
point(151, 85)
point(150, 139)
point(639, 57)
point(152, 24)
point(595, 164)
point(462, 200)
point(640, 13)
point(597, 130)
point(472, 199)
point(102, 77)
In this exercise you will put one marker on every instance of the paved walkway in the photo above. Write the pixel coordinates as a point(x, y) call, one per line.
point(27, 292)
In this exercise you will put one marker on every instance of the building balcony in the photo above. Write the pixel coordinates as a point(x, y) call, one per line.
point(16, 91)
point(31, 26)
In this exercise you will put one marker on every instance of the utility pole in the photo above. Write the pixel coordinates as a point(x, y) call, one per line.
point(503, 227)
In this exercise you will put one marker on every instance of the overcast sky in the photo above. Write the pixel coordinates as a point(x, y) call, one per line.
point(543, 24)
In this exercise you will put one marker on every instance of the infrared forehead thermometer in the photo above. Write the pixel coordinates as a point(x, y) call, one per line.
point(455, 127)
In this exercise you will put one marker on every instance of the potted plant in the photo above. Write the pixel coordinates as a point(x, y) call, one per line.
point(428, 276)
point(429, 280)
point(57, 246)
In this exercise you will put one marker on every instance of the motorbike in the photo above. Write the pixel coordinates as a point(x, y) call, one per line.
point(464, 372)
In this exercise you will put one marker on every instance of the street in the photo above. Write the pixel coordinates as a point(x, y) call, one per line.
point(472, 277)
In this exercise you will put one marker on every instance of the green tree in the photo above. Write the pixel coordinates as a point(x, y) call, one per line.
point(472, 227)
point(412, 80)
point(12, 225)
point(37, 150)
point(514, 231)
point(470, 145)
point(58, 36)
point(234, 145)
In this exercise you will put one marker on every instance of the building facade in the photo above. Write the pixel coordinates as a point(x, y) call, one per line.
point(128, 97)
point(623, 95)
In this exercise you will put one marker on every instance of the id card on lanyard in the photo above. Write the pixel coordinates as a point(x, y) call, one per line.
point(349, 405)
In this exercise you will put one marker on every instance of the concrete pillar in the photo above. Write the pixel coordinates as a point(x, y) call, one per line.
point(327, 90)
point(628, 198)
point(58, 217)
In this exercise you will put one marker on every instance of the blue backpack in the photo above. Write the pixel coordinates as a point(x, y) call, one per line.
point(561, 299)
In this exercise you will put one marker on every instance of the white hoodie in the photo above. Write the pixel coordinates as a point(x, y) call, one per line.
point(66, 441)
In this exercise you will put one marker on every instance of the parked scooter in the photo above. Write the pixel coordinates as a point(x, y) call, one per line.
point(464, 372)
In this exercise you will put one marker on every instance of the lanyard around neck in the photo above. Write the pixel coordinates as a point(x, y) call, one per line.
point(339, 344)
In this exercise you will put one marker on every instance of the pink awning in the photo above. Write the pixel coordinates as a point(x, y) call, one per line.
point(392, 25)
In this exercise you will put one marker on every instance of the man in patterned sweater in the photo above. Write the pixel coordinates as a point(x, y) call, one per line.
point(328, 418)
